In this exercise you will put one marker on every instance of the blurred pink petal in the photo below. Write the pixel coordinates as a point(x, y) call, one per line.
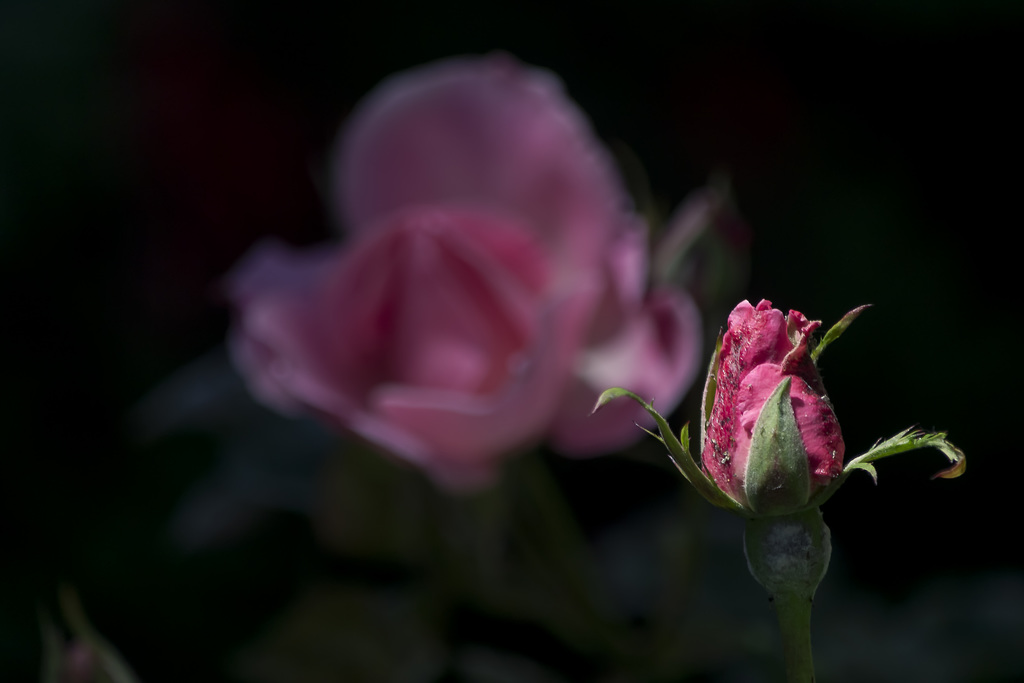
point(431, 336)
point(277, 340)
point(624, 273)
point(485, 132)
point(656, 355)
point(494, 281)
point(469, 435)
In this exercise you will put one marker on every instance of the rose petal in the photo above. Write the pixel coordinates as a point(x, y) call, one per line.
point(819, 430)
point(434, 337)
point(447, 312)
point(276, 339)
point(488, 133)
point(756, 387)
point(656, 355)
point(625, 276)
point(759, 335)
point(461, 439)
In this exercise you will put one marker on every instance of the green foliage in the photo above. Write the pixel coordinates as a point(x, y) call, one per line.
point(837, 330)
point(907, 440)
point(678, 453)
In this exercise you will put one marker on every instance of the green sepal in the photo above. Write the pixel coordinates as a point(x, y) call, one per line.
point(837, 330)
point(907, 440)
point(710, 387)
point(777, 480)
point(679, 453)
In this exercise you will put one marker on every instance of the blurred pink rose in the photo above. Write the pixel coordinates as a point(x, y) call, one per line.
point(492, 284)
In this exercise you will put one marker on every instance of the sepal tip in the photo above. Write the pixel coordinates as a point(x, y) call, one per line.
point(837, 330)
point(610, 394)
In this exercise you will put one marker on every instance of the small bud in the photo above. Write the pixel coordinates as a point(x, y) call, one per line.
point(772, 439)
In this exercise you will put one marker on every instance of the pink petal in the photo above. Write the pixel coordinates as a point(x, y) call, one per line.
point(819, 430)
point(759, 334)
point(276, 339)
point(438, 298)
point(756, 387)
point(625, 277)
point(656, 355)
point(435, 337)
point(483, 132)
point(462, 439)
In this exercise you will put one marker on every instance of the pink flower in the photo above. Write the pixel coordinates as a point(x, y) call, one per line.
point(769, 447)
point(492, 284)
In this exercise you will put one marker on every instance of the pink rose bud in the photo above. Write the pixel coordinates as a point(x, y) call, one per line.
point(772, 439)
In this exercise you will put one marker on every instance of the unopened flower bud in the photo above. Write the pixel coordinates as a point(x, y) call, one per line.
point(772, 438)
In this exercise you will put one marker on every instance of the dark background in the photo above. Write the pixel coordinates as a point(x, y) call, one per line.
point(873, 147)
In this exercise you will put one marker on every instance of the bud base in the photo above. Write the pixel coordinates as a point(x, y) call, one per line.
point(789, 556)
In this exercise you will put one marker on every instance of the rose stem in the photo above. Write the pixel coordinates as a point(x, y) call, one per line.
point(794, 613)
point(789, 555)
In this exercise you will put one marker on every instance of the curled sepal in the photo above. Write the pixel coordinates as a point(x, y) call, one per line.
point(837, 330)
point(679, 453)
point(907, 440)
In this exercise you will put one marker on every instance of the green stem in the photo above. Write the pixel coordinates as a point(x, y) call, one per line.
point(794, 613)
point(788, 555)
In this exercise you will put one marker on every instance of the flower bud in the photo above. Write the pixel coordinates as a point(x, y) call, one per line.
point(772, 439)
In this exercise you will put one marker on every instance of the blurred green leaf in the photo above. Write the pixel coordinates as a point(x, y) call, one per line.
point(343, 632)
